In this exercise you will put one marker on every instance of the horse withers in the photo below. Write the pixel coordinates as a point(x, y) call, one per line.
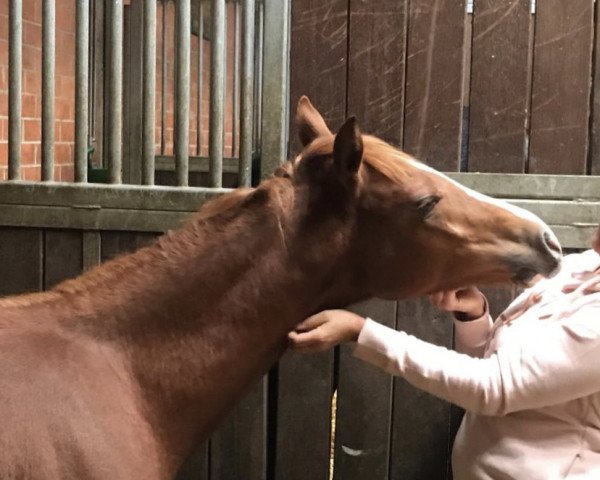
point(117, 374)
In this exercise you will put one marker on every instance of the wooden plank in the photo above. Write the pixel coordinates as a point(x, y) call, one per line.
point(364, 408)
point(118, 243)
point(499, 74)
point(63, 256)
point(132, 93)
point(548, 187)
point(561, 86)
point(376, 43)
point(434, 82)
point(318, 59)
point(420, 437)
point(594, 156)
point(92, 196)
point(304, 416)
point(90, 219)
point(91, 249)
point(238, 449)
point(21, 257)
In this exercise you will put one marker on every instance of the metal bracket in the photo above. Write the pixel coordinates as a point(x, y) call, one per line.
point(470, 6)
point(533, 7)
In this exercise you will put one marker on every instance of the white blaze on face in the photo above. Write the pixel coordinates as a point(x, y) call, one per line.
point(517, 211)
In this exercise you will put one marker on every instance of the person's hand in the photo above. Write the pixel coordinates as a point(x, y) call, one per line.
point(326, 330)
point(466, 303)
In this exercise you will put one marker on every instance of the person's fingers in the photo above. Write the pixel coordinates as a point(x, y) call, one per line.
point(312, 322)
point(309, 339)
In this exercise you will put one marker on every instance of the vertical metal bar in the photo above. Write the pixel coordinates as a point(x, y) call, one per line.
point(15, 89)
point(217, 93)
point(163, 77)
point(81, 89)
point(182, 92)
point(48, 87)
point(247, 94)
point(200, 77)
point(258, 77)
point(235, 113)
point(275, 81)
point(115, 74)
point(149, 102)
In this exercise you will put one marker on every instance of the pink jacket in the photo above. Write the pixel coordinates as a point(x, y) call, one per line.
point(533, 395)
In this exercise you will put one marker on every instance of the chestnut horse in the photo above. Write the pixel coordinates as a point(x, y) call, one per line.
point(117, 374)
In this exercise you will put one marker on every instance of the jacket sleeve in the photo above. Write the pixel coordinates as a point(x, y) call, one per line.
point(471, 336)
point(561, 363)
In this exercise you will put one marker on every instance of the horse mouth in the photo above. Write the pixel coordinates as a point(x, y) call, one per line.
point(524, 277)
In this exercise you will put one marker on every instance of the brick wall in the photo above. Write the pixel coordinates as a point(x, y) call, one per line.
point(65, 88)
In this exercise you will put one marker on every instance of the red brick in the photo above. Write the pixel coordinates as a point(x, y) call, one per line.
point(31, 173)
point(3, 51)
point(3, 26)
point(65, 55)
point(32, 58)
point(32, 34)
point(65, 87)
point(4, 103)
point(32, 105)
point(63, 153)
point(67, 131)
point(29, 153)
point(65, 15)
point(32, 82)
point(67, 173)
point(3, 153)
point(32, 130)
point(3, 129)
point(64, 109)
point(3, 173)
point(32, 10)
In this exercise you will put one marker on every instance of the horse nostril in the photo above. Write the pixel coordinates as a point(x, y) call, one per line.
point(552, 243)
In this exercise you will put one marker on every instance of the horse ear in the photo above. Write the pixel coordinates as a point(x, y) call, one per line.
point(309, 121)
point(348, 147)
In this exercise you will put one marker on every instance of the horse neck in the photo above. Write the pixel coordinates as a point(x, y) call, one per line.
point(203, 314)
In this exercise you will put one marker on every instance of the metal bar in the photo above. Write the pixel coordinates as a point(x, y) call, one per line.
point(15, 80)
point(260, 22)
point(235, 111)
point(217, 93)
point(275, 82)
point(149, 102)
point(200, 77)
point(115, 73)
point(182, 92)
point(197, 164)
point(247, 93)
point(82, 89)
point(163, 76)
point(48, 87)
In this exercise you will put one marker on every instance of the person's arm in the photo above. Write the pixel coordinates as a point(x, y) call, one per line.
point(561, 363)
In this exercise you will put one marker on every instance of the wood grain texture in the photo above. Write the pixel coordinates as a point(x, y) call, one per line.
point(561, 87)
point(376, 57)
point(63, 256)
point(318, 59)
point(304, 416)
point(434, 82)
point(21, 258)
point(238, 447)
point(364, 408)
point(499, 75)
point(420, 436)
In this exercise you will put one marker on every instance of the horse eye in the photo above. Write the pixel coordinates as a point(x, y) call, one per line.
point(426, 205)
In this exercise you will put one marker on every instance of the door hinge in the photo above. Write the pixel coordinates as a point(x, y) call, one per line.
point(469, 6)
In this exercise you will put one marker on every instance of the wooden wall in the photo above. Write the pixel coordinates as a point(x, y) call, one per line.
point(501, 89)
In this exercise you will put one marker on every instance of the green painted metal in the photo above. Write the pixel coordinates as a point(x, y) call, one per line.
point(82, 66)
point(182, 91)
point(48, 87)
point(15, 88)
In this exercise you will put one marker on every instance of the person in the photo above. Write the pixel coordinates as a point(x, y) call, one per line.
point(529, 381)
